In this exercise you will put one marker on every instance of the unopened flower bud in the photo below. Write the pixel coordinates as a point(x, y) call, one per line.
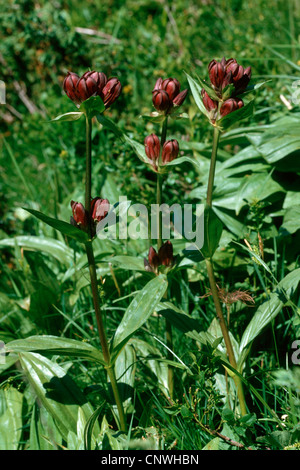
point(216, 73)
point(161, 100)
point(165, 254)
point(69, 86)
point(179, 99)
point(243, 82)
point(151, 264)
point(99, 209)
point(230, 105)
point(171, 86)
point(111, 91)
point(158, 83)
point(79, 214)
point(152, 147)
point(87, 85)
point(170, 151)
point(210, 105)
point(101, 80)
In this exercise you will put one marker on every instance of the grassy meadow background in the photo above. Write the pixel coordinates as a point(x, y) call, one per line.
point(44, 287)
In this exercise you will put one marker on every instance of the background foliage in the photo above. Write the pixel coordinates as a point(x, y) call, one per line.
point(44, 283)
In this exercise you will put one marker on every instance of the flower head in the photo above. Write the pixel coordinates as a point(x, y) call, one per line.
point(166, 95)
point(164, 257)
point(92, 83)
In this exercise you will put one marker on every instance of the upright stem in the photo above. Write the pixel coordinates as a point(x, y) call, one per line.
point(159, 213)
point(212, 281)
point(159, 184)
point(94, 285)
point(169, 336)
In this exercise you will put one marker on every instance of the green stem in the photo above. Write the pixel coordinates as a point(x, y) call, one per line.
point(212, 280)
point(159, 213)
point(169, 335)
point(94, 284)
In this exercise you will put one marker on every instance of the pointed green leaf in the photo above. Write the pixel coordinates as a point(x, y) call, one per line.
point(92, 106)
point(55, 345)
point(196, 92)
point(269, 309)
point(213, 228)
point(61, 226)
point(11, 422)
point(73, 116)
point(232, 118)
point(56, 391)
point(55, 248)
point(138, 312)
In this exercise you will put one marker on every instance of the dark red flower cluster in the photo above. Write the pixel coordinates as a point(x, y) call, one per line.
point(169, 151)
point(90, 84)
point(222, 74)
point(166, 95)
point(83, 219)
point(164, 257)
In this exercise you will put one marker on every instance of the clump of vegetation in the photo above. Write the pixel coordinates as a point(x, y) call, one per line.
point(123, 327)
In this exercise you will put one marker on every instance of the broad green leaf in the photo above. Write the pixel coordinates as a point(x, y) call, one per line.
point(89, 440)
point(154, 117)
point(180, 160)
point(73, 116)
point(154, 360)
point(291, 219)
point(61, 226)
point(209, 90)
point(131, 263)
point(43, 433)
point(139, 150)
point(56, 391)
point(213, 228)
point(267, 311)
point(256, 187)
point(214, 444)
point(11, 422)
point(125, 367)
point(196, 92)
point(55, 345)
point(55, 248)
point(111, 126)
point(232, 118)
point(138, 312)
point(92, 106)
point(232, 224)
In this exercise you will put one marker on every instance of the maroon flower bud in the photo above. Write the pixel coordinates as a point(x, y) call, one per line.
point(170, 151)
point(161, 100)
point(179, 99)
point(69, 86)
point(227, 79)
point(164, 257)
point(99, 209)
point(210, 105)
point(171, 86)
point(111, 91)
point(79, 214)
point(242, 83)
point(165, 254)
point(153, 260)
point(230, 105)
point(101, 80)
point(216, 73)
point(152, 147)
point(158, 83)
point(87, 85)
